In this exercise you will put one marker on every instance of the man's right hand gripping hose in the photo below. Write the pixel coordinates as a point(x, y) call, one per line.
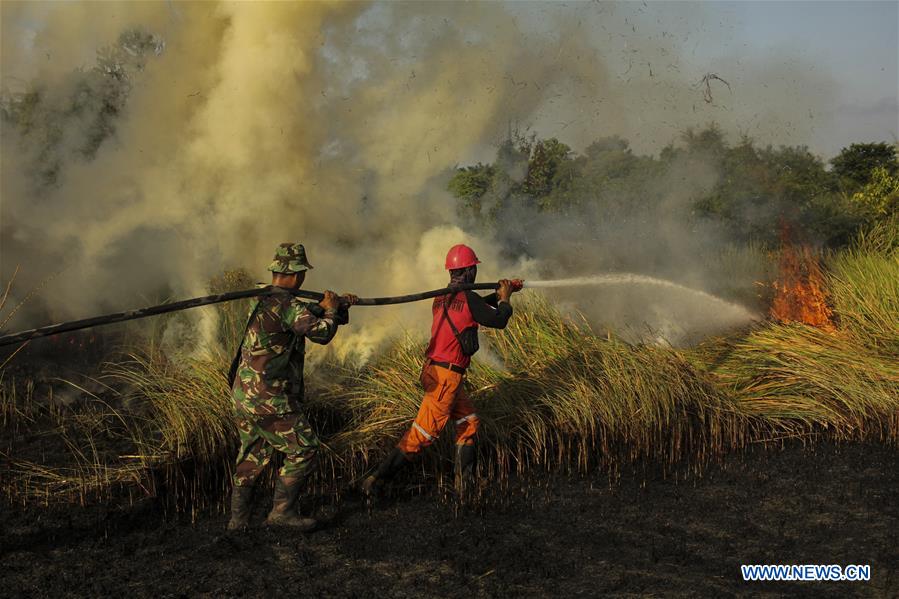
point(507, 288)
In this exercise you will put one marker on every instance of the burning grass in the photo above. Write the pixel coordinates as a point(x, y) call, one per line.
point(551, 394)
point(841, 380)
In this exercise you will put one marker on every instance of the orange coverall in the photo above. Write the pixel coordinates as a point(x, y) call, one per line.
point(445, 398)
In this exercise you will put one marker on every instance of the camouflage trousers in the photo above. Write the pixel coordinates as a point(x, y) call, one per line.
point(262, 436)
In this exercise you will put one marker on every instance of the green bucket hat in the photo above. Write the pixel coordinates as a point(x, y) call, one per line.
point(290, 258)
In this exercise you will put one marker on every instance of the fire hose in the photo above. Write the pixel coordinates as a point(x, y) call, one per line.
point(75, 325)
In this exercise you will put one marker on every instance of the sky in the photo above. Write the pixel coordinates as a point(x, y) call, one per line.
point(855, 45)
point(856, 42)
point(852, 46)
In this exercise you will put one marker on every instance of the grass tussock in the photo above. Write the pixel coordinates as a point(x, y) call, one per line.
point(845, 383)
point(865, 291)
point(550, 393)
point(801, 379)
point(562, 395)
point(187, 402)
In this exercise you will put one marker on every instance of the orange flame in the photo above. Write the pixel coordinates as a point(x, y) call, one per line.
point(799, 292)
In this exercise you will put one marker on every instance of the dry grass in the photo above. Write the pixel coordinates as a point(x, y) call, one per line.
point(845, 383)
point(566, 397)
point(551, 395)
point(801, 380)
point(158, 419)
point(865, 291)
point(187, 402)
point(80, 449)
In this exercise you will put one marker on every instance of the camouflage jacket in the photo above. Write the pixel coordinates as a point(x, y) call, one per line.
point(270, 369)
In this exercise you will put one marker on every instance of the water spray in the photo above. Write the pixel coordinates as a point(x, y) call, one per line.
point(632, 279)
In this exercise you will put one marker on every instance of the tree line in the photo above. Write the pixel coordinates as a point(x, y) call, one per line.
point(756, 188)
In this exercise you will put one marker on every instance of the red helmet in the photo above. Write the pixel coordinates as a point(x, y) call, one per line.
point(460, 256)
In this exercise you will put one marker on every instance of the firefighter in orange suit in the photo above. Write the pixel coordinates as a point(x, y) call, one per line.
point(456, 318)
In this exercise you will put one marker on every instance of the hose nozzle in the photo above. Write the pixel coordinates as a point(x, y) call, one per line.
point(517, 284)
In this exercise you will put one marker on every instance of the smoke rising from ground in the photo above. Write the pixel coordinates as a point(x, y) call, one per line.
point(334, 124)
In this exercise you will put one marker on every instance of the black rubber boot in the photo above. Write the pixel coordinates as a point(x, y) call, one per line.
point(284, 506)
point(466, 457)
point(241, 499)
point(393, 463)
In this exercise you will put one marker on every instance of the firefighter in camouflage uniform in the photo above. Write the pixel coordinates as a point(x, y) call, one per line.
point(267, 390)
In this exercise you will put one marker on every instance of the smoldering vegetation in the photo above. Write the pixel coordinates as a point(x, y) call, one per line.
point(318, 123)
point(170, 143)
point(554, 395)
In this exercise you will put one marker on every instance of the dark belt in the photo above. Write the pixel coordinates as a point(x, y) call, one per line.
point(449, 366)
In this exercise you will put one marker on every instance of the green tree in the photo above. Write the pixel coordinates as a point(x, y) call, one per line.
point(470, 183)
point(798, 175)
point(545, 167)
point(879, 199)
point(856, 164)
point(756, 188)
point(708, 142)
point(608, 158)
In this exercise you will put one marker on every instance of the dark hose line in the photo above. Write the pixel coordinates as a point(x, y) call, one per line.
point(75, 325)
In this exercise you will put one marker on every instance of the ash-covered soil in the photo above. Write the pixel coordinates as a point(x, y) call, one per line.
point(647, 536)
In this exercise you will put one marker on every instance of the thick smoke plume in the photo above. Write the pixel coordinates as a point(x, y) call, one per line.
point(242, 125)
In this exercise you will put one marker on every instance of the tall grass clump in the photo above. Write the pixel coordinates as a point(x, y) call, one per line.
point(864, 285)
point(555, 394)
point(191, 435)
point(803, 380)
point(880, 238)
point(842, 383)
point(187, 401)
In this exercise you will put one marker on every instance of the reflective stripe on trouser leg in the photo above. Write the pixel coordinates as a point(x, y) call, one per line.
point(435, 410)
point(416, 426)
point(465, 419)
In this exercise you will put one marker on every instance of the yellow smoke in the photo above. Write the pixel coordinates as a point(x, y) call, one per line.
point(335, 124)
point(220, 156)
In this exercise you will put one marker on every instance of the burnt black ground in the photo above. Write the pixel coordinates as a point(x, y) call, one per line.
point(572, 536)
